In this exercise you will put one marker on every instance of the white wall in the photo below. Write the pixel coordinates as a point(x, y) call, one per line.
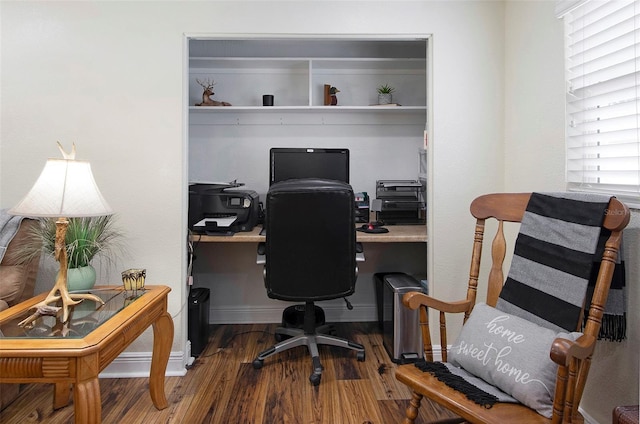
point(109, 77)
point(534, 160)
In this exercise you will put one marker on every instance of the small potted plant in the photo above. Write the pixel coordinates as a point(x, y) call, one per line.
point(385, 94)
point(86, 239)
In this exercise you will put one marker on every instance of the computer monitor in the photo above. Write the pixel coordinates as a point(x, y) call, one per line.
point(288, 163)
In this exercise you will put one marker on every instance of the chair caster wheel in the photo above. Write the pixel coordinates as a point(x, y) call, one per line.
point(257, 364)
point(315, 379)
point(279, 337)
point(360, 356)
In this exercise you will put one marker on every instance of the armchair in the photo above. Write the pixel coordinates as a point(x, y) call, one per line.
point(539, 307)
point(310, 254)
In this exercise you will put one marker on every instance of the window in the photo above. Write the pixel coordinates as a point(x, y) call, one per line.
point(603, 78)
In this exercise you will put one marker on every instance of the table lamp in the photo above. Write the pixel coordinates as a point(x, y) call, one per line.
point(65, 189)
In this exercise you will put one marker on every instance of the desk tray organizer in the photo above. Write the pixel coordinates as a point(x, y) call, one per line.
point(400, 202)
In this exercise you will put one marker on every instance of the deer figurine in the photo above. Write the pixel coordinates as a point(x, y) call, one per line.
point(207, 93)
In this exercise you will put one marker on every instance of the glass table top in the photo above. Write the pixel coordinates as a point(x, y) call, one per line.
point(83, 317)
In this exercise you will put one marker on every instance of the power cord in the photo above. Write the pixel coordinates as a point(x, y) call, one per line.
point(220, 349)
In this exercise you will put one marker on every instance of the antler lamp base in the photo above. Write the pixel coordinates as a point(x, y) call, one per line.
point(59, 292)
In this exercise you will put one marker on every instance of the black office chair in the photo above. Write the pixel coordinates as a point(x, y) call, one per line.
point(310, 255)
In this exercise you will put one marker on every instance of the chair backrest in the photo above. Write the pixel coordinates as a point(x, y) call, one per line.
point(310, 241)
point(511, 207)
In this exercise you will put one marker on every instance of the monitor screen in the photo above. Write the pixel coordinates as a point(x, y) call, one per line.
point(288, 163)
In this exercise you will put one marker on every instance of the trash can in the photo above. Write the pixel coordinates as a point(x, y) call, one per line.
point(198, 319)
point(401, 334)
point(378, 279)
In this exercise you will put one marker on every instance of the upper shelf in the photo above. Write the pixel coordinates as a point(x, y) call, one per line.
point(303, 64)
point(297, 82)
point(267, 109)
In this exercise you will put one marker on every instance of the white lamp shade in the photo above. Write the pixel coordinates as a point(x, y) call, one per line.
point(65, 188)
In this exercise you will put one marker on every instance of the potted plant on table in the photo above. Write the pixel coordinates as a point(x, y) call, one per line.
point(385, 93)
point(86, 239)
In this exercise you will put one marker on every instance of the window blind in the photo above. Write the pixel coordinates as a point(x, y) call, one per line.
point(603, 76)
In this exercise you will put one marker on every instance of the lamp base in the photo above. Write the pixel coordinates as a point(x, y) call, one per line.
point(58, 292)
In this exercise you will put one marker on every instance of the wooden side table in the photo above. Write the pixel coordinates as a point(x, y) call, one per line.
point(75, 353)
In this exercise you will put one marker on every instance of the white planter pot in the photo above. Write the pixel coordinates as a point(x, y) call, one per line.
point(384, 99)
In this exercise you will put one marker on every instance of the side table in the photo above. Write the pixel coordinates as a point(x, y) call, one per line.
point(73, 354)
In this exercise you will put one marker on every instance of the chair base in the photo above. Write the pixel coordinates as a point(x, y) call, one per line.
point(311, 341)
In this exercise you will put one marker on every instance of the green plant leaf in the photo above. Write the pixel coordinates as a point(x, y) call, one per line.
point(386, 89)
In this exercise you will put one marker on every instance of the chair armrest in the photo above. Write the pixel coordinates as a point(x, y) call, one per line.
point(359, 252)
point(261, 258)
point(419, 300)
point(563, 350)
point(413, 300)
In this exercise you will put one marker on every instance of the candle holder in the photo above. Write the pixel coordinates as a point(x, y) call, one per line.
point(133, 280)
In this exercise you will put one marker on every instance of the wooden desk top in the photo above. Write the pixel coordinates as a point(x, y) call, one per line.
point(396, 234)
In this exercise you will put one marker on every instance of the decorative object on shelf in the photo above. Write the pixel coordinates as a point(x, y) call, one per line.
point(207, 85)
point(66, 188)
point(334, 98)
point(133, 279)
point(267, 100)
point(330, 98)
point(327, 94)
point(385, 93)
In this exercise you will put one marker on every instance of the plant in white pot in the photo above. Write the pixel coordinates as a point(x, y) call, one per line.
point(86, 239)
point(385, 94)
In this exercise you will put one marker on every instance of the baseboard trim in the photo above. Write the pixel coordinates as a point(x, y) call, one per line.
point(138, 364)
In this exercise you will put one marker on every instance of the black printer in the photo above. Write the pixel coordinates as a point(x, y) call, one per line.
point(222, 208)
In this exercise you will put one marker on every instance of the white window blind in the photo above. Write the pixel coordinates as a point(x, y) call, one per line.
point(603, 77)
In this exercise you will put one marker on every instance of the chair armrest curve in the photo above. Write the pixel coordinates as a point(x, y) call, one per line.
point(563, 350)
point(413, 300)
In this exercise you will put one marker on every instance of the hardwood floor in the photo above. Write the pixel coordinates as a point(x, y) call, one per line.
point(223, 387)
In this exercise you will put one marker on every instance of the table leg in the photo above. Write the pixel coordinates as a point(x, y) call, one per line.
point(61, 395)
point(87, 402)
point(162, 340)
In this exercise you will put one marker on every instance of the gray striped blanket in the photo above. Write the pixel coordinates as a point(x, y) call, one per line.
point(553, 259)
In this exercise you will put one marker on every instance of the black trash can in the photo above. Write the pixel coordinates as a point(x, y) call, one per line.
point(198, 319)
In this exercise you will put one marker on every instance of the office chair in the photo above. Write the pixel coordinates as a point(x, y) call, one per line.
point(310, 255)
point(525, 339)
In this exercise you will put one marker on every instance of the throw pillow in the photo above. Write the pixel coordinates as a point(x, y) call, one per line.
point(12, 282)
point(510, 353)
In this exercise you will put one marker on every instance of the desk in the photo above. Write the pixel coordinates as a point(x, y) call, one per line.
point(396, 234)
point(75, 353)
point(227, 266)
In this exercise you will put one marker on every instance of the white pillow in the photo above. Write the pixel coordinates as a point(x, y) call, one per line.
point(510, 353)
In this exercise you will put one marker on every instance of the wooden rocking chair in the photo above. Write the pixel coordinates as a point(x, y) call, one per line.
point(572, 357)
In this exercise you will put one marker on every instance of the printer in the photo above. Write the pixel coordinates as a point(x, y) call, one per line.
point(222, 208)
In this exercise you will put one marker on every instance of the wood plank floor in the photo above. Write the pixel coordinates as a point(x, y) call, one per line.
point(223, 387)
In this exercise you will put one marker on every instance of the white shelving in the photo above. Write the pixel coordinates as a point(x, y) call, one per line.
point(299, 82)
